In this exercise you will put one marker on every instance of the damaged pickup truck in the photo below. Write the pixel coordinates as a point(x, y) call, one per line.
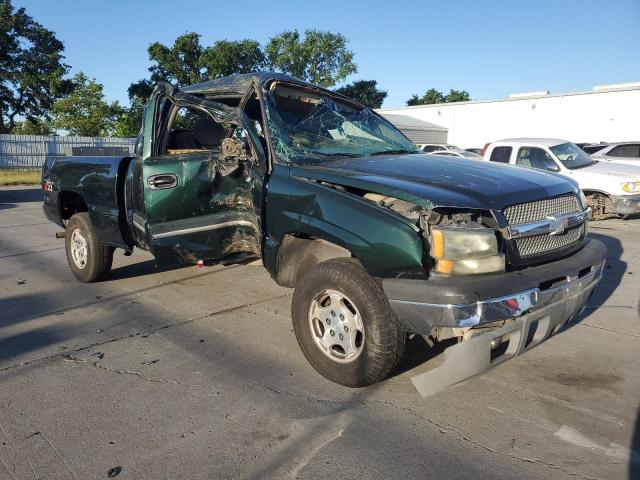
point(379, 240)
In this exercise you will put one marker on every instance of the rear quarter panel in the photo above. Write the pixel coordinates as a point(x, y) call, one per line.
point(95, 179)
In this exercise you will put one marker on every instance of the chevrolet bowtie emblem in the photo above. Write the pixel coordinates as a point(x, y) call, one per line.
point(557, 225)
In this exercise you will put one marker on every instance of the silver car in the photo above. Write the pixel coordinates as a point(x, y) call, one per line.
point(625, 152)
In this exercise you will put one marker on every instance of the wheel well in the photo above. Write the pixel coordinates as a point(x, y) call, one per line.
point(596, 192)
point(298, 255)
point(71, 203)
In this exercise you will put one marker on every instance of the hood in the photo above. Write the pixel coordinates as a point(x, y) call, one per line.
point(439, 181)
point(616, 170)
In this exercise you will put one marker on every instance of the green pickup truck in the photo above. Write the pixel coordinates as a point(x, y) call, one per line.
point(379, 240)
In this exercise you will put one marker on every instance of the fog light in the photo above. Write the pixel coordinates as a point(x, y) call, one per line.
point(495, 343)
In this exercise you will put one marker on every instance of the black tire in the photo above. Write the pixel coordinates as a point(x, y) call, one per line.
point(601, 206)
point(99, 256)
point(384, 337)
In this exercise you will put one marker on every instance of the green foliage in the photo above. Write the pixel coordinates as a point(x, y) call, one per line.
point(321, 57)
point(31, 68)
point(141, 90)
point(84, 111)
point(129, 120)
point(180, 63)
point(365, 92)
point(457, 96)
point(226, 58)
point(432, 96)
point(187, 62)
point(34, 126)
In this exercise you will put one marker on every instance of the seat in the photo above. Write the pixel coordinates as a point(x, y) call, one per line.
point(208, 133)
point(182, 139)
point(524, 158)
point(537, 159)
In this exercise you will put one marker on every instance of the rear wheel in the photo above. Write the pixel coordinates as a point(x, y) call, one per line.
point(601, 206)
point(88, 258)
point(344, 324)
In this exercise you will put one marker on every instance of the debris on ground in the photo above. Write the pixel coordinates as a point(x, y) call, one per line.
point(114, 472)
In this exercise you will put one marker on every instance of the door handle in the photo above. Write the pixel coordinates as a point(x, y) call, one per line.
point(164, 180)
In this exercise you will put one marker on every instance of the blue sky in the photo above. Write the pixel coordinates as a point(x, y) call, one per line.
point(489, 48)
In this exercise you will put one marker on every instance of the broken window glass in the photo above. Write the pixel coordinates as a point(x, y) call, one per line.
point(309, 126)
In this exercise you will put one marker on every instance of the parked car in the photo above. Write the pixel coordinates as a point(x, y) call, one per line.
point(457, 152)
point(611, 189)
point(435, 147)
point(627, 152)
point(477, 151)
point(378, 239)
point(592, 148)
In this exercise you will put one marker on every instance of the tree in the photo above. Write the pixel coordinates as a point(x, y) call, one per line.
point(179, 64)
point(226, 58)
point(129, 120)
point(34, 126)
point(321, 57)
point(365, 92)
point(457, 96)
point(31, 68)
point(187, 62)
point(84, 111)
point(432, 96)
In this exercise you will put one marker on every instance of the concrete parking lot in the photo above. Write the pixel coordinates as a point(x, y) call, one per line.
point(196, 373)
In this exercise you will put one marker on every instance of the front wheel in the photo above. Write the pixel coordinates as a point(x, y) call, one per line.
point(88, 258)
point(344, 324)
point(601, 206)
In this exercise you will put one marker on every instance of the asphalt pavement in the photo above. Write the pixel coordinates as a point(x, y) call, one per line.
point(196, 373)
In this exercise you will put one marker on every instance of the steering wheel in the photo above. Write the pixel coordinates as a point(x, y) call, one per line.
point(569, 158)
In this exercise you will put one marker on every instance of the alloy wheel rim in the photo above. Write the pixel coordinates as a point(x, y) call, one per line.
point(336, 326)
point(79, 252)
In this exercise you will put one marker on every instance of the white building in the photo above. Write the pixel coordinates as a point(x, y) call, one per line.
point(608, 113)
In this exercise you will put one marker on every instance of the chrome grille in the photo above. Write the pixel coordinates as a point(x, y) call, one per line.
point(539, 210)
point(546, 243)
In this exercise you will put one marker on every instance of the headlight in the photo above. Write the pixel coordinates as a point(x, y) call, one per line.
point(631, 187)
point(466, 251)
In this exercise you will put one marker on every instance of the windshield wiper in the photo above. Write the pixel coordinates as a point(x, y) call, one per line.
point(392, 152)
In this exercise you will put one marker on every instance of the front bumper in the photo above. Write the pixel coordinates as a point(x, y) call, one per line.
point(469, 301)
point(555, 294)
point(492, 346)
point(626, 204)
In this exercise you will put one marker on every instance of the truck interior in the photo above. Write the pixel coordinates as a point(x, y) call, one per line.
point(192, 131)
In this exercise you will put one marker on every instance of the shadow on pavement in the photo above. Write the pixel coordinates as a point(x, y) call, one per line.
point(9, 198)
point(614, 271)
point(418, 352)
point(21, 343)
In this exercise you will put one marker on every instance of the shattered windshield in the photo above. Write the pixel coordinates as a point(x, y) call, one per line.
point(310, 126)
